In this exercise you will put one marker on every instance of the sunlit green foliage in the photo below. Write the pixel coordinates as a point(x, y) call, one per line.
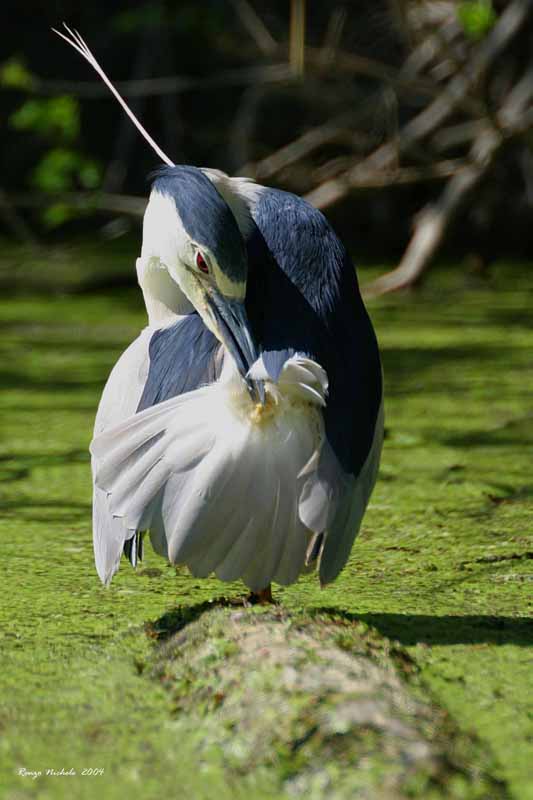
point(477, 17)
point(54, 116)
point(14, 74)
point(135, 18)
point(62, 167)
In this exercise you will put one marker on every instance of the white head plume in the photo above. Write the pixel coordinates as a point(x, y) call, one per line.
point(77, 42)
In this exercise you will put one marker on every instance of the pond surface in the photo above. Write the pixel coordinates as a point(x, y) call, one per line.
point(443, 564)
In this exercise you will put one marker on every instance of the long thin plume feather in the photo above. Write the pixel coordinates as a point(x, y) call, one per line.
point(76, 41)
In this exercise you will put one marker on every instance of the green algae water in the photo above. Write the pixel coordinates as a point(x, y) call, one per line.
point(443, 564)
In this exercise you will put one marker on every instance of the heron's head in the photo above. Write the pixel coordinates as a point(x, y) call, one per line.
point(195, 236)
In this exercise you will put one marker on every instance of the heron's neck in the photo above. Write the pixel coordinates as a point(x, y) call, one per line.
point(163, 298)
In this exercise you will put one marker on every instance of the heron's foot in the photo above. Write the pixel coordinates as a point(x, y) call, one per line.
point(238, 602)
point(262, 598)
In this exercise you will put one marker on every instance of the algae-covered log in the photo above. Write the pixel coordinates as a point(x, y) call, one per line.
point(321, 705)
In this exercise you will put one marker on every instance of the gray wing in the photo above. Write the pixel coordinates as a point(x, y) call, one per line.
point(183, 357)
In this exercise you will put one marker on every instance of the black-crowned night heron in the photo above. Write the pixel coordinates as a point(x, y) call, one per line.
point(243, 428)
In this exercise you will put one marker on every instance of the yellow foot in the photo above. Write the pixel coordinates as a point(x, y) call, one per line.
point(262, 598)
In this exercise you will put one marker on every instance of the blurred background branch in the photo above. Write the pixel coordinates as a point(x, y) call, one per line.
point(409, 121)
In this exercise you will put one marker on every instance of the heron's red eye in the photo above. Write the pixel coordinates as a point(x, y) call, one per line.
point(201, 263)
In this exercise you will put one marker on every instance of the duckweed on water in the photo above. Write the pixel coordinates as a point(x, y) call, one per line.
point(443, 564)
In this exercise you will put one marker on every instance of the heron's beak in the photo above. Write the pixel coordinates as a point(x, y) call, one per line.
point(234, 332)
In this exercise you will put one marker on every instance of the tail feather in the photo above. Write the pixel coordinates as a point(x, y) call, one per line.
point(133, 548)
point(219, 538)
point(280, 529)
point(108, 538)
point(292, 562)
point(253, 530)
point(207, 504)
point(259, 572)
point(285, 517)
point(165, 509)
point(323, 483)
point(158, 533)
point(239, 555)
point(292, 557)
point(133, 482)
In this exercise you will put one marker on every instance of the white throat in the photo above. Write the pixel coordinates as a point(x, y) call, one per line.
point(163, 298)
point(162, 230)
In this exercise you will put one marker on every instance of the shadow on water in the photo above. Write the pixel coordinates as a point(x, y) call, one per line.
point(411, 363)
point(511, 494)
point(178, 618)
point(511, 317)
point(49, 511)
point(13, 380)
point(64, 336)
point(515, 432)
point(449, 629)
point(15, 467)
point(408, 629)
point(76, 344)
point(62, 378)
point(455, 372)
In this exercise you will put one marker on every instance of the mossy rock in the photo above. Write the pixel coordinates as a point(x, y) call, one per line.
point(328, 706)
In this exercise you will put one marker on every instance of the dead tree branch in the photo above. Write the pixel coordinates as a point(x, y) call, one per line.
point(84, 201)
point(297, 37)
point(333, 36)
point(432, 223)
point(514, 119)
point(298, 149)
point(255, 26)
point(428, 120)
point(174, 84)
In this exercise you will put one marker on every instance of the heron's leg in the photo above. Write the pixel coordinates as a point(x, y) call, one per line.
point(262, 598)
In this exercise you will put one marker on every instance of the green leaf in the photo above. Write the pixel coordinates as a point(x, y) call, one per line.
point(54, 116)
point(90, 174)
point(64, 115)
point(57, 214)
point(149, 15)
point(56, 171)
point(15, 75)
point(477, 17)
point(62, 169)
point(27, 116)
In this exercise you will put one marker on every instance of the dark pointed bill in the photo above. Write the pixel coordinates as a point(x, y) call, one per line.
point(236, 335)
